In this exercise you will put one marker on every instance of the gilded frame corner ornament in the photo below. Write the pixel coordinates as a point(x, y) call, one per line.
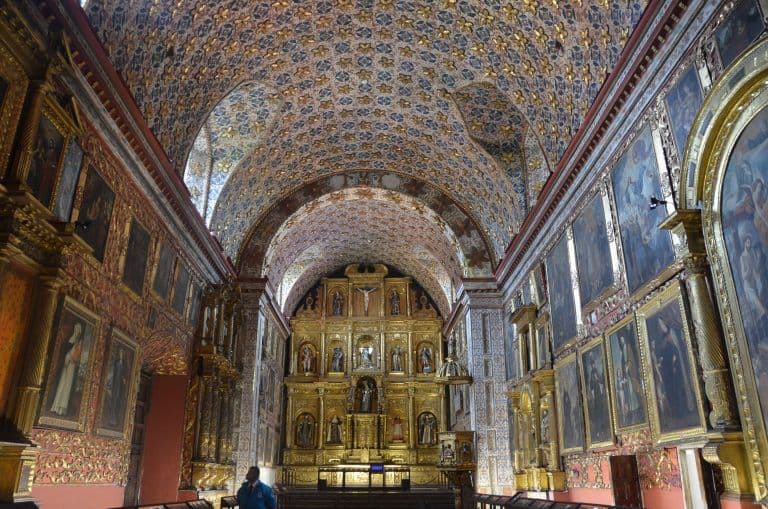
point(673, 293)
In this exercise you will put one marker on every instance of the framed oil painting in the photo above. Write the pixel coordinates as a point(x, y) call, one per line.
point(677, 410)
point(510, 348)
point(593, 251)
point(161, 282)
point(569, 404)
point(65, 187)
point(118, 385)
point(136, 254)
point(683, 102)
point(743, 26)
point(626, 376)
point(194, 305)
point(69, 375)
point(543, 354)
point(562, 303)
point(647, 249)
point(46, 156)
point(95, 213)
point(180, 288)
point(597, 404)
point(744, 204)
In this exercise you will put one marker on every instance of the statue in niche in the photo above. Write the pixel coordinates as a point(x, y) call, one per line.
point(366, 291)
point(367, 396)
point(397, 429)
point(427, 429)
point(338, 303)
point(366, 357)
point(304, 431)
point(425, 359)
point(334, 430)
point(447, 455)
point(307, 356)
point(394, 302)
point(545, 425)
point(337, 362)
point(397, 361)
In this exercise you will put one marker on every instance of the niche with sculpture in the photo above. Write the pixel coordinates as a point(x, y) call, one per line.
point(366, 396)
point(427, 423)
point(425, 358)
point(366, 353)
point(335, 301)
point(305, 431)
point(336, 357)
point(335, 432)
point(306, 361)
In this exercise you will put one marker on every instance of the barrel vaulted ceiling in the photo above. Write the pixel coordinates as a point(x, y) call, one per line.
point(475, 100)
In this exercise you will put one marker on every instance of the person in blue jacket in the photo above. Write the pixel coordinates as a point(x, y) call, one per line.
point(254, 494)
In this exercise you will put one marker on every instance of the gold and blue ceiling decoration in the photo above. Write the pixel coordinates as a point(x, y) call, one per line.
point(362, 86)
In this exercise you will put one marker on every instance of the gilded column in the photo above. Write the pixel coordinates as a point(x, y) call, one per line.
point(321, 419)
point(22, 415)
point(412, 425)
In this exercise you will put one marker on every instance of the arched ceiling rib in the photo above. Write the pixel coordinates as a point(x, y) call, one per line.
point(364, 84)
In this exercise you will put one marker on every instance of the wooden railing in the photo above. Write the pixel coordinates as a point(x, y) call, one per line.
point(520, 501)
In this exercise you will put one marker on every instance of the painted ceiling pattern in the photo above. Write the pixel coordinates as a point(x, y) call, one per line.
point(478, 258)
point(365, 85)
point(364, 225)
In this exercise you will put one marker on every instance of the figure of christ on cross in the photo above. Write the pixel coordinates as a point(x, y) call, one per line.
point(366, 291)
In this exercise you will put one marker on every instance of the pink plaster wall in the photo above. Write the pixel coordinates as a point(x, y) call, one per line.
point(588, 495)
point(78, 496)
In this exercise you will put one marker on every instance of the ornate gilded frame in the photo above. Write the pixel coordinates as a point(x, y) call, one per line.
point(738, 96)
point(82, 312)
point(118, 336)
point(13, 102)
point(595, 343)
point(673, 293)
point(558, 402)
point(628, 320)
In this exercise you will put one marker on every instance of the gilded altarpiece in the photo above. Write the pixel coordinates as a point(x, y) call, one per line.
point(361, 387)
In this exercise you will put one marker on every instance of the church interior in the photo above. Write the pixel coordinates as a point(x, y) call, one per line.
point(503, 252)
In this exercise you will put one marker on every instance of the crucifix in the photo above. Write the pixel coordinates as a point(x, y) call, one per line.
point(366, 291)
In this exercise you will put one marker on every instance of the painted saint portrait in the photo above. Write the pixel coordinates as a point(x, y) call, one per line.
point(670, 365)
point(647, 249)
point(194, 305)
point(136, 257)
point(628, 394)
point(161, 283)
point(95, 213)
point(570, 405)
point(683, 102)
point(66, 389)
point(563, 307)
point(41, 176)
point(593, 255)
point(117, 385)
point(745, 228)
point(180, 288)
point(70, 173)
point(739, 31)
point(305, 431)
point(543, 356)
point(596, 395)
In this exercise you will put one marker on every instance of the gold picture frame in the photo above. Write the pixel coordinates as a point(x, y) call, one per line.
point(11, 103)
point(567, 370)
point(592, 368)
point(670, 373)
point(69, 381)
point(119, 387)
point(625, 354)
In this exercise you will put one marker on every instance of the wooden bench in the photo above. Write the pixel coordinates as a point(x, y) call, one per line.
point(191, 504)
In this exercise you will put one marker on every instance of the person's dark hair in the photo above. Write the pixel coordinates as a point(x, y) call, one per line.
point(258, 472)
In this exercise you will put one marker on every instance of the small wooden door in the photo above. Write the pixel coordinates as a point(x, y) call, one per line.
point(137, 441)
point(626, 482)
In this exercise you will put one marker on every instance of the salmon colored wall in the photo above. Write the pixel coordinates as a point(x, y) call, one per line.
point(163, 434)
point(78, 496)
point(729, 503)
point(657, 498)
point(587, 495)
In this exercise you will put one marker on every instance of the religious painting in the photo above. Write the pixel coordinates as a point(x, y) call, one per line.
point(677, 408)
point(161, 283)
point(543, 354)
point(647, 249)
point(683, 102)
point(305, 431)
point(43, 169)
point(593, 252)
point(427, 424)
point(118, 384)
point(626, 376)
point(95, 213)
point(136, 254)
point(69, 375)
point(70, 173)
point(194, 305)
point(180, 288)
point(510, 348)
point(595, 383)
point(569, 403)
point(744, 206)
point(743, 26)
point(562, 302)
